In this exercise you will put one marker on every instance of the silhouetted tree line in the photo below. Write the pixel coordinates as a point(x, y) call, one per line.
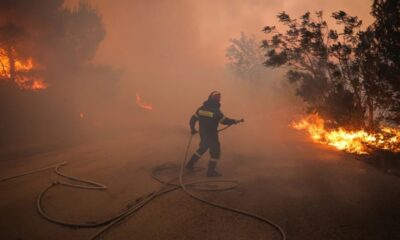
point(348, 75)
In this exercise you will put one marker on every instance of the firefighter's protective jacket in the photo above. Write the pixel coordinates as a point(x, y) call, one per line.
point(209, 116)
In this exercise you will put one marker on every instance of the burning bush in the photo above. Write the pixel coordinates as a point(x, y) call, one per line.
point(20, 71)
point(352, 141)
point(348, 78)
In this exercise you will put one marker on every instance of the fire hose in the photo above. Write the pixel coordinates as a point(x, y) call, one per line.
point(168, 186)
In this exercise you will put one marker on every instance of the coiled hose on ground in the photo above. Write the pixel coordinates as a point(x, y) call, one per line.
point(168, 186)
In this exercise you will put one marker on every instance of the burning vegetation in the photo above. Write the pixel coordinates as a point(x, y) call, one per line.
point(352, 141)
point(349, 76)
point(48, 49)
point(21, 71)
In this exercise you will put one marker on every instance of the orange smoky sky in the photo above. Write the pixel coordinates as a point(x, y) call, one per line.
point(195, 29)
point(173, 52)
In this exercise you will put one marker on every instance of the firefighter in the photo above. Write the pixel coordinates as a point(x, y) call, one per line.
point(209, 116)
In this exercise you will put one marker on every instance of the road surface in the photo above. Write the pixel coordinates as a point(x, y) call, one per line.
point(311, 191)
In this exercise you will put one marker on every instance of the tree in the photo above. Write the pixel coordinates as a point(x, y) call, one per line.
point(60, 43)
point(385, 40)
point(329, 66)
point(44, 33)
point(246, 57)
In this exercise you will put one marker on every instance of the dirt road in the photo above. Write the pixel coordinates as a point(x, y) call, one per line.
point(311, 192)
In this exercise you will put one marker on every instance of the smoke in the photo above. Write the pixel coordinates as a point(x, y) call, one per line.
point(97, 56)
point(173, 55)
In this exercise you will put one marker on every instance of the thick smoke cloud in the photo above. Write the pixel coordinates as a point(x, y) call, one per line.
point(96, 57)
point(171, 53)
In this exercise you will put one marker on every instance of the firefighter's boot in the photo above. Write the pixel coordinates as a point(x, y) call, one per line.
point(211, 169)
point(192, 162)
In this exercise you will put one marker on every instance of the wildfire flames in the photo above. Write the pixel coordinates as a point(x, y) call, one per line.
point(20, 71)
point(359, 142)
point(144, 105)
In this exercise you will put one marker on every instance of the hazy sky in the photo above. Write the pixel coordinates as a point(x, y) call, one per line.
point(201, 28)
point(173, 52)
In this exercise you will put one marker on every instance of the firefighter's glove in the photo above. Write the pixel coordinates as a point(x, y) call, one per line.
point(239, 121)
point(193, 131)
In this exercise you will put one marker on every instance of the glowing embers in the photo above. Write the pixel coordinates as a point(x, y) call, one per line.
point(360, 142)
point(142, 104)
point(21, 71)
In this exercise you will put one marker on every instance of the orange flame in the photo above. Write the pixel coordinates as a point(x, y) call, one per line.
point(144, 105)
point(20, 71)
point(81, 115)
point(360, 142)
point(38, 85)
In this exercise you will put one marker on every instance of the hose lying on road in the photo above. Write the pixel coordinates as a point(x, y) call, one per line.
point(30, 172)
point(167, 186)
point(245, 213)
